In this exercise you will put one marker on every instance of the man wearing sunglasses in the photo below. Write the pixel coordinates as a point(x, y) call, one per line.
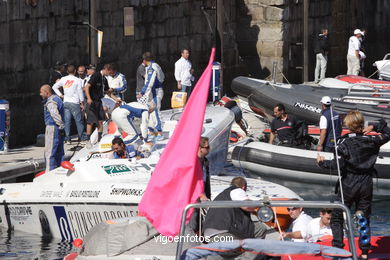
point(299, 225)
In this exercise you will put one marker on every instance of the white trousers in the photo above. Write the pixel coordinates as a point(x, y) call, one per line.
point(131, 127)
point(353, 64)
point(321, 62)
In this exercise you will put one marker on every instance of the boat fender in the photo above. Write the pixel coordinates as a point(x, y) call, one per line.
point(78, 242)
point(39, 173)
point(68, 165)
point(234, 136)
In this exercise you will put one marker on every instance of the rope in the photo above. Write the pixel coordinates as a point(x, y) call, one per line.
point(279, 228)
point(373, 74)
point(337, 155)
point(283, 75)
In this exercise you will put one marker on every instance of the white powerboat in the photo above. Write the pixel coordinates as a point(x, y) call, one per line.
point(67, 202)
point(383, 67)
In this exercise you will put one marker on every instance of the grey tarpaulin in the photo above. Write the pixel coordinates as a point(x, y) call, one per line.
point(268, 247)
point(117, 237)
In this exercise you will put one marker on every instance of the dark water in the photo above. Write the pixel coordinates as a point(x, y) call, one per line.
point(20, 245)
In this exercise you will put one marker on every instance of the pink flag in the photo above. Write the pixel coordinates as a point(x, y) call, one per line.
point(177, 179)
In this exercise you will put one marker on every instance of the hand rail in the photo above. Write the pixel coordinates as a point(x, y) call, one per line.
point(239, 204)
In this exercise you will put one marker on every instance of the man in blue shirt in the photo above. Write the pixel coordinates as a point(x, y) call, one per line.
point(121, 150)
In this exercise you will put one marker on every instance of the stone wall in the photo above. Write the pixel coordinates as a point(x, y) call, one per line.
point(260, 35)
point(34, 38)
point(252, 35)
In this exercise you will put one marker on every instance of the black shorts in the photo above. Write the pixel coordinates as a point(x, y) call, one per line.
point(95, 112)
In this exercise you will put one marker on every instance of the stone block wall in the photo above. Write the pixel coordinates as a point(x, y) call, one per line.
point(34, 38)
point(260, 35)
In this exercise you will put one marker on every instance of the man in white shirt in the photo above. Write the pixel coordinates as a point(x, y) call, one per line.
point(183, 73)
point(299, 225)
point(73, 101)
point(353, 56)
point(319, 227)
point(117, 81)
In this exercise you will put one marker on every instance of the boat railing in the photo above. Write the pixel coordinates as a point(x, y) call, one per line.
point(387, 56)
point(380, 87)
point(271, 203)
point(376, 99)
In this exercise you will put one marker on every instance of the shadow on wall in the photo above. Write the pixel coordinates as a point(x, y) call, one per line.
point(247, 37)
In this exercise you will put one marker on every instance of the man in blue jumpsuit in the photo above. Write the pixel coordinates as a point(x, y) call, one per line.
point(153, 90)
point(127, 118)
point(54, 134)
point(121, 150)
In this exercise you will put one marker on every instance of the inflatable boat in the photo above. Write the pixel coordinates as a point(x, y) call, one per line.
point(298, 170)
point(303, 101)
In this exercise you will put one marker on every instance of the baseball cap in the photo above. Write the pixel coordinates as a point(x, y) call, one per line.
point(60, 64)
point(326, 100)
point(357, 31)
point(91, 67)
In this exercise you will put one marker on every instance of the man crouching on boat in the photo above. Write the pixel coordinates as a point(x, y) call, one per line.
point(226, 223)
point(127, 118)
point(357, 156)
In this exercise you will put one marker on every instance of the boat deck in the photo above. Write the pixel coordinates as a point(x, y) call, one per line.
point(27, 160)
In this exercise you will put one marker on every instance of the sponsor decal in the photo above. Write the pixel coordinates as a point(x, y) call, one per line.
point(84, 194)
point(20, 213)
point(63, 223)
point(123, 169)
point(308, 107)
point(51, 194)
point(101, 155)
point(118, 168)
point(77, 223)
point(20, 210)
point(127, 192)
point(105, 146)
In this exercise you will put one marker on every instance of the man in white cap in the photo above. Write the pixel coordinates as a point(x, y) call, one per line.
point(353, 56)
point(327, 140)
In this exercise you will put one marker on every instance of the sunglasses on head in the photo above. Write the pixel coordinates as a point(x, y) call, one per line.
point(291, 209)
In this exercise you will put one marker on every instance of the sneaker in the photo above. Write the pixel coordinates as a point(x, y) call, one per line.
point(68, 142)
point(88, 144)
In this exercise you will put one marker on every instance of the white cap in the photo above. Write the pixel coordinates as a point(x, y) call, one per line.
point(239, 194)
point(357, 31)
point(326, 100)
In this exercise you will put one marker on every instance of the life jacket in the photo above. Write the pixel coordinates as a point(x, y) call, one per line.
point(60, 106)
point(329, 139)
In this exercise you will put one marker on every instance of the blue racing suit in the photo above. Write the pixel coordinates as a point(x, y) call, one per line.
point(54, 141)
point(153, 87)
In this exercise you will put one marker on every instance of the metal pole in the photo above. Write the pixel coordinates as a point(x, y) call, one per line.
point(274, 64)
point(92, 33)
point(220, 29)
point(305, 40)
